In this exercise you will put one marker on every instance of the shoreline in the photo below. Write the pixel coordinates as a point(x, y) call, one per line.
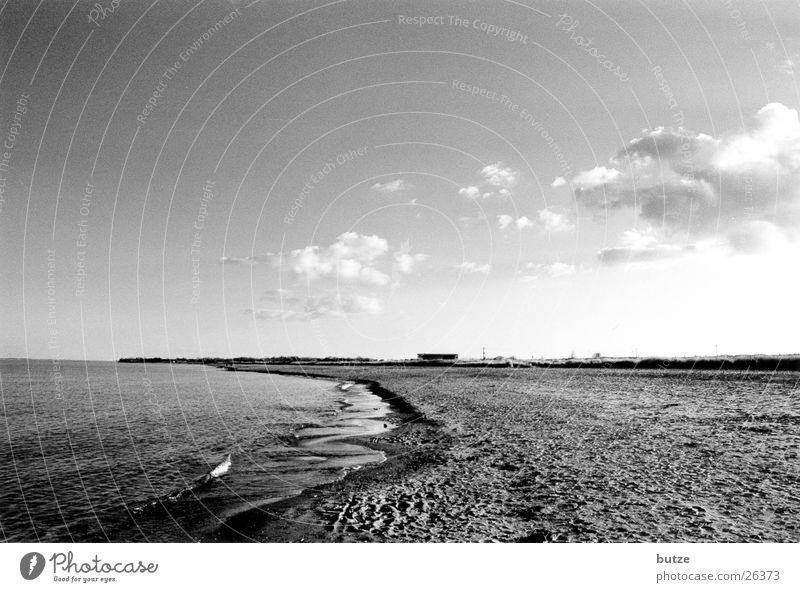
point(293, 519)
point(404, 410)
point(534, 455)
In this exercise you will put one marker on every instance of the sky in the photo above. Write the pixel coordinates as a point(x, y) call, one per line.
point(374, 178)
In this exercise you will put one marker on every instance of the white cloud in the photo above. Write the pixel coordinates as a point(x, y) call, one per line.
point(757, 236)
point(559, 269)
point(523, 222)
point(349, 258)
point(535, 271)
point(266, 314)
point(370, 275)
point(504, 221)
point(697, 189)
point(341, 304)
point(470, 192)
point(596, 177)
point(788, 66)
point(314, 307)
point(554, 222)
point(499, 175)
point(472, 267)
point(365, 248)
point(771, 145)
point(405, 263)
point(352, 260)
point(558, 182)
point(497, 180)
point(249, 260)
point(391, 186)
point(637, 246)
point(408, 262)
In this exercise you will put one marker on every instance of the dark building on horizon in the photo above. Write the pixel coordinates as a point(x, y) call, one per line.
point(437, 356)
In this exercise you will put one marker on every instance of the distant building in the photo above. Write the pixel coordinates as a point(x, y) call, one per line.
point(437, 356)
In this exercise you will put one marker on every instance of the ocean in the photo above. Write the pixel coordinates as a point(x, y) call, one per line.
point(100, 451)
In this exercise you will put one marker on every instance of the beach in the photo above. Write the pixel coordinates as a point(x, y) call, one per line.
point(566, 455)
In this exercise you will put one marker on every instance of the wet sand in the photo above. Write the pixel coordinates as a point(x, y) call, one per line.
point(332, 448)
point(535, 455)
point(363, 414)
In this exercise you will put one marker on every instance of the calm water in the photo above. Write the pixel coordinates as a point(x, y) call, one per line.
point(164, 452)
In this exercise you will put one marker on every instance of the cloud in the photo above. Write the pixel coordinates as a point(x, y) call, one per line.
point(370, 275)
point(496, 181)
point(641, 246)
point(535, 271)
point(558, 182)
point(264, 314)
point(554, 222)
point(472, 267)
point(407, 262)
point(470, 192)
point(788, 66)
point(693, 187)
point(342, 304)
point(250, 260)
point(757, 236)
point(358, 246)
point(350, 258)
point(504, 221)
point(314, 307)
point(559, 269)
point(499, 193)
point(772, 145)
point(391, 186)
point(593, 178)
point(523, 222)
point(499, 175)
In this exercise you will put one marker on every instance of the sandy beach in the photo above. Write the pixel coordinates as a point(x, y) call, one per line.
point(535, 455)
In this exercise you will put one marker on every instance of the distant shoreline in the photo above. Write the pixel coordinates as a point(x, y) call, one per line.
point(754, 363)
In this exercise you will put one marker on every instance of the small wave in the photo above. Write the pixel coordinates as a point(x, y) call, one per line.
point(185, 492)
point(346, 385)
point(221, 468)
